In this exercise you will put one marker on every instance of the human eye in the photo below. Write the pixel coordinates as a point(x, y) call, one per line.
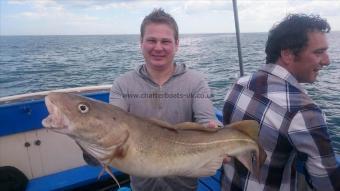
point(150, 40)
point(166, 41)
point(320, 51)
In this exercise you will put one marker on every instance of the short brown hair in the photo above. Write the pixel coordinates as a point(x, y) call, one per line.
point(161, 17)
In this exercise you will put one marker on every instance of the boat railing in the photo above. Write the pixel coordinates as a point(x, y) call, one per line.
point(42, 94)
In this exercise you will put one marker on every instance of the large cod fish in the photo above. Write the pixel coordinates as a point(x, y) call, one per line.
point(150, 147)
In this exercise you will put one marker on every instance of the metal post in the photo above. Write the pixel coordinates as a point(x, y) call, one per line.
point(238, 37)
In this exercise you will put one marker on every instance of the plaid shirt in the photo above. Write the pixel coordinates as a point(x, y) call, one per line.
point(292, 127)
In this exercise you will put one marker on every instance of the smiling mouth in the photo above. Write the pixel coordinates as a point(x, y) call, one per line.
point(158, 55)
point(317, 70)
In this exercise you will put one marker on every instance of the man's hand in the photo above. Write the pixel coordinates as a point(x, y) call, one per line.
point(212, 124)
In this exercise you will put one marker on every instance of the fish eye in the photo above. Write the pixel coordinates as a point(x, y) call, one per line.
point(83, 108)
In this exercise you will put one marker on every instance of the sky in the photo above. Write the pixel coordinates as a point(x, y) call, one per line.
point(90, 17)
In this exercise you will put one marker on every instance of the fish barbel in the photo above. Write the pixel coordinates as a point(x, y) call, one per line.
point(150, 147)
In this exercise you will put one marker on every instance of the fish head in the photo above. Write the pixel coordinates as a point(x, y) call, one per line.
point(83, 119)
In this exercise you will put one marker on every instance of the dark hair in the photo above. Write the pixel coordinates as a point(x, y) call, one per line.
point(161, 17)
point(291, 33)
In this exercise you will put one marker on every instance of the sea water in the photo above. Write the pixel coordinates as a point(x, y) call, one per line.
point(38, 63)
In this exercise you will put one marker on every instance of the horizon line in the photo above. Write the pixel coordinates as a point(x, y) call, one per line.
point(336, 31)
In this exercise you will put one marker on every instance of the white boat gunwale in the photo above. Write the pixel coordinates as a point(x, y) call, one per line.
point(42, 94)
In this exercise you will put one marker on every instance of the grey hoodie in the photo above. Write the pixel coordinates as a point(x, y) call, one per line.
point(184, 97)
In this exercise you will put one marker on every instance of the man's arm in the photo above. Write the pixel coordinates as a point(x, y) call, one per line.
point(203, 109)
point(117, 96)
point(308, 133)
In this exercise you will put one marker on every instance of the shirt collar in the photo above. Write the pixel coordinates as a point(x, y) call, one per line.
point(282, 73)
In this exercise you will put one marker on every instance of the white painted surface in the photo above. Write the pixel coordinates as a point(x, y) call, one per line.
point(55, 153)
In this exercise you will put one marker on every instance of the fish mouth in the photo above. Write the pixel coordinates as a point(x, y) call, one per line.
point(56, 120)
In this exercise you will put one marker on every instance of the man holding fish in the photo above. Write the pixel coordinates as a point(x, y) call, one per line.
point(147, 131)
point(163, 89)
point(149, 135)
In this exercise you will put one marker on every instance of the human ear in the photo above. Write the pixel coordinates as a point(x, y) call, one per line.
point(287, 56)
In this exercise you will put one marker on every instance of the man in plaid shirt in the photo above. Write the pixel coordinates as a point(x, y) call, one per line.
point(292, 125)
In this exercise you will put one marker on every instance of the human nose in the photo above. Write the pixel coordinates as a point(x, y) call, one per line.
point(158, 46)
point(325, 60)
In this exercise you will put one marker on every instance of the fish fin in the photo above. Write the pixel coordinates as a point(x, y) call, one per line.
point(247, 160)
point(101, 173)
point(208, 169)
point(108, 170)
point(182, 126)
point(122, 148)
point(248, 127)
point(253, 161)
point(260, 159)
point(194, 126)
point(161, 123)
point(120, 151)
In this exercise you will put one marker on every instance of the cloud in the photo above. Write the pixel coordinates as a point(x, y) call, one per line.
point(49, 10)
point(194, 7)
point(193, 16)
point(263, 14)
